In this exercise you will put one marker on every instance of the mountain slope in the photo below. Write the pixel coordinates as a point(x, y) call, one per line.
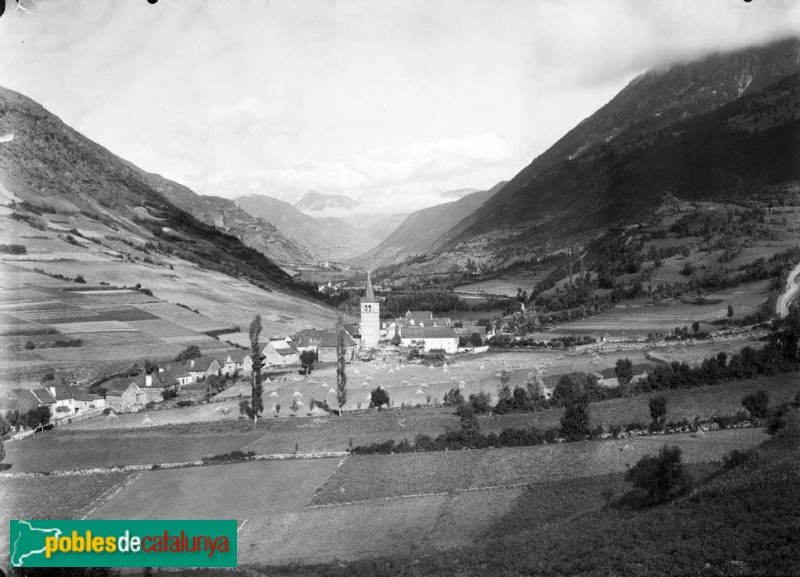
point(419, 232)
point(640, 144)
point(227, 217)
point(325, 237)
point(314, 202)
point(50, 165)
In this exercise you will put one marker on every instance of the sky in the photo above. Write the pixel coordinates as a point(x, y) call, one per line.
point(392, 102)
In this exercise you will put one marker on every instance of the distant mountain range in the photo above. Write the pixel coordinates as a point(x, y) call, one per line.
point(422, 230)
point(459, 193)
point(724, 126)
point(314, 202)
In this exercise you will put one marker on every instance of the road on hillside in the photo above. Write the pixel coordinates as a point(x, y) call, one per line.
point(792, 287)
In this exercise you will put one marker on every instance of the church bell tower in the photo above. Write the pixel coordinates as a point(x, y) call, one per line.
point(370, 327)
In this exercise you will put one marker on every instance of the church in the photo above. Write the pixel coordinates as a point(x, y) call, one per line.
point(370, 327)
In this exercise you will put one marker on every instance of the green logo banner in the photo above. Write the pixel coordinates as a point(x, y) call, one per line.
point(57, 543)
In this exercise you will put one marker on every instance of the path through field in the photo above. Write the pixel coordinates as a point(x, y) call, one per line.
point(792, 288)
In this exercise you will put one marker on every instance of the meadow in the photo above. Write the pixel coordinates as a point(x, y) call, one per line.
point(369, 477)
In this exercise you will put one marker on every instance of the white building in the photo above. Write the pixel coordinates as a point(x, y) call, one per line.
point(370, 327)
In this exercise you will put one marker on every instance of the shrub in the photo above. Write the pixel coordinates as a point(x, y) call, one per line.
point(190, 352)
point(169, 393)
point(757, 404)
point(662, 476)
point(80, 279)
point(307, 359)
point(30, 345)
point(736, 458)
point(185, 403)
point(453, 398)
point(378, 398)
point(13, 248)
point(615, 430)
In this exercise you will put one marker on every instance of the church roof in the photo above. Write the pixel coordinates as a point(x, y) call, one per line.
point(369, 295)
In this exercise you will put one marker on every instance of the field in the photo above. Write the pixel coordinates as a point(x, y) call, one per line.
point(169, 436)
point(506, 285)
point(32, 302)
point(371, 477)
point(63, 450)
point(51, 497)
point(639, 319)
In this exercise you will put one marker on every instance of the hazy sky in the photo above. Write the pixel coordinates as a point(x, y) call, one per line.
point(387, 101)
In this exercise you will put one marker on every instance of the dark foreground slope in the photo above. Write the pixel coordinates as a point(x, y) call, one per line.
point(724, 126)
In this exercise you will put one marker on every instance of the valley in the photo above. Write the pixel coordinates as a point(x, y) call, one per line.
point(468, 388)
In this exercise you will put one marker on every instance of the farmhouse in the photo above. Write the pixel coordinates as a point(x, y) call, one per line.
point(124, 395)
point(430, 338)
point(325, 344)
point(152, 385)
point(201, 368)
point(280, 352)
point(26, 399)
point(71, 400)
point(233, 361)
point(418, 318)
point(467, 332)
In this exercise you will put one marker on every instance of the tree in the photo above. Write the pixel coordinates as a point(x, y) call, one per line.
point(481, 402)
point(662, 476)
point(256, 402)
point(470, 427)
point(169, 393)
point(190, 352)
point(658, 409)
point(307, 359)
point(730, 311)
point(696, 327)
point(453, 398)
point(378, 398)
point(575, 422)
point(30, 345)
point(476, 340)
point(624, 371)
point(341, 374)
point(757, 404)
point(396, 340)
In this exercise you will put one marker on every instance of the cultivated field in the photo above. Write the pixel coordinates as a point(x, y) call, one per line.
point(377, 476)
point(65, 450)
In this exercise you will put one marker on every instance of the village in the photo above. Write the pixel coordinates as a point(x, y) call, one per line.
point(196, 377)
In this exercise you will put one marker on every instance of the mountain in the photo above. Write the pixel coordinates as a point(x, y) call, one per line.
point(722, 126)
point(326, 239)
point(459, 193)
point(62, 177)
point(313, 202)
point(419, 233)
point(227, 217)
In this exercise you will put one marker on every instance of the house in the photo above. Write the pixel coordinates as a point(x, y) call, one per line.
point(280, 352)
point(201, 368)
point(467, 332)
point(151, 386)
point(439, 322)
point(124, 395)
point(233, 361)
point(27, 399)
point(71, 400)
point(325, 343)
point(419, 318)
point(430, 338)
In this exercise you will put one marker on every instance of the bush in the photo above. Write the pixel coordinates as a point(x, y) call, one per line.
point(624, 371)
point(13, 248)
point(190, 352)
point(453, 398)
point(30, 345)
point(736, 458)
point(169, 393)
point(378, 398)
point(757, 404)
point(80, 279)
point(185, 403)
point(662, 477)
